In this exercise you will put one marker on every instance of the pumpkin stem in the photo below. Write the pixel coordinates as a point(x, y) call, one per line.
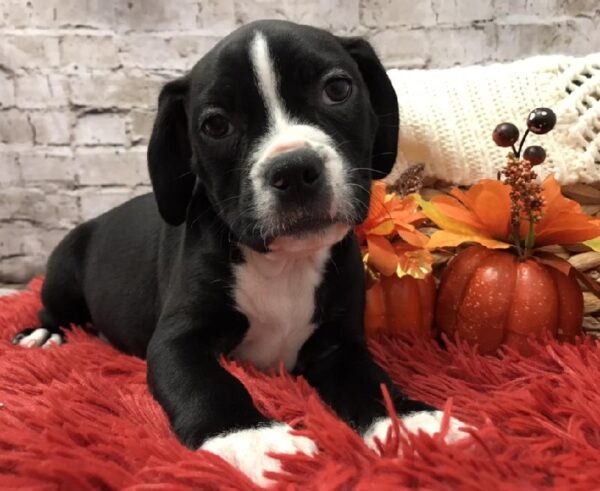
point(516, 237)
point(530, 240)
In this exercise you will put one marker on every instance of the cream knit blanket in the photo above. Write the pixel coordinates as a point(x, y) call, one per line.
point(447, 116)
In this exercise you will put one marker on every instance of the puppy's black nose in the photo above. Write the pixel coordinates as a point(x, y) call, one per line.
point(297, 174)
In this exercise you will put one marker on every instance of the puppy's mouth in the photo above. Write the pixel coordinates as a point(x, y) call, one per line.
point(304, 225)
point(302, 233)
point(310, 237)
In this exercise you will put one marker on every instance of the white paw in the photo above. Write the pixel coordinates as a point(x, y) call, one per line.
point(247, 449)
point(429, 422)
point(37, 338)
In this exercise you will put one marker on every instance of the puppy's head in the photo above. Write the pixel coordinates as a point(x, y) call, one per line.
point(282, 126)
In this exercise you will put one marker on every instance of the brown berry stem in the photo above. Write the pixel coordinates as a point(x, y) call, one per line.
point(522, 143)
point(514, 150)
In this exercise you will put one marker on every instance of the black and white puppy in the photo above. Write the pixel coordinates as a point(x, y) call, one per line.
point(261, 160)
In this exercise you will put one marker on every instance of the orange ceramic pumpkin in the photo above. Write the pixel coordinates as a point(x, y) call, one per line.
point(396, 305)
point(490, 297)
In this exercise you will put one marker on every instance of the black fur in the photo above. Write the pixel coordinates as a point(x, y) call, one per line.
point(160, 288)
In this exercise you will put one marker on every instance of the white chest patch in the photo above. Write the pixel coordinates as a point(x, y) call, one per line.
point(276, 292)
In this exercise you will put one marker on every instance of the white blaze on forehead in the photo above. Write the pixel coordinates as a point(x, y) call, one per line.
point(266, 79)
point(283, 133)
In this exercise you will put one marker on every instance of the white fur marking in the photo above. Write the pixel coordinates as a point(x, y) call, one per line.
point(267, 79)
point(53, 340)
point(427, 421)
point(282, 130)
point(35, 338)
point(247, 449)
point(276, 292)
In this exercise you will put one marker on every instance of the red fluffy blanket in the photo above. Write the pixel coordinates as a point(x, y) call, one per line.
point(80, 417)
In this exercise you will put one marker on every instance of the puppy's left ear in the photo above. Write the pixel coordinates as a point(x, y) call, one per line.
point(170, 152)
point(383, 100)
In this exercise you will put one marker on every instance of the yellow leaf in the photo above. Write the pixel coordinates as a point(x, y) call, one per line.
point(445, 238)
point(443, 221)
point(593, 244)
point(384, 228)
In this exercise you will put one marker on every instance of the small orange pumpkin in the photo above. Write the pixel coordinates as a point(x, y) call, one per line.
point(490, 297)
point(396, 305)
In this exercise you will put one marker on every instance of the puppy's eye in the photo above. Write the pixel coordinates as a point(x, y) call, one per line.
point(337, 90)
point(216, 126)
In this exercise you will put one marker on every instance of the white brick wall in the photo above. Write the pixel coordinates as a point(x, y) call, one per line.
point(79, 80)
point(101, 129)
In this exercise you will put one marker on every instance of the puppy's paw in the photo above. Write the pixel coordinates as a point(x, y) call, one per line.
point(247, 449)
point(38, 338)
point(429, 422)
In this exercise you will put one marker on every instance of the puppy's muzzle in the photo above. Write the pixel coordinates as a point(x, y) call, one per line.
point(297, 177)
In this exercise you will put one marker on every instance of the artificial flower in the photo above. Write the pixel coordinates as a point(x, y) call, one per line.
point(482, 214)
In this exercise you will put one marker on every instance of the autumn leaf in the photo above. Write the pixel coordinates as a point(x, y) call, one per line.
point(444, 238)
point(413, 261)
point(490, 204)
point(382, 255)
point(593, 244)
point(455, 231)
point(389, 214)
point(563, 221)
point(389, 239)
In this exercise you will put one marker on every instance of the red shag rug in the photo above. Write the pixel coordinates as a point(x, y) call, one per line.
point(80, 417)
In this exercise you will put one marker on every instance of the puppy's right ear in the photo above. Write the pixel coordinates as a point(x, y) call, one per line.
point(170, 152)
point(383, 100)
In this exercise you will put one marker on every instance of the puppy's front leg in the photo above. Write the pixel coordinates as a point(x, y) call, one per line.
point(350, 381)
point(208, 407)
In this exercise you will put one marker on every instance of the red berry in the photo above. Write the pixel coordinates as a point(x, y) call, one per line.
point(505, 134)
point(541, 120)
point(535, 154)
